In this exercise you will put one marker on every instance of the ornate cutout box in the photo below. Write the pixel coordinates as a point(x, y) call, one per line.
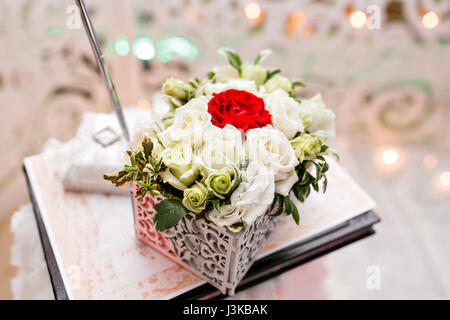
point(214, 253)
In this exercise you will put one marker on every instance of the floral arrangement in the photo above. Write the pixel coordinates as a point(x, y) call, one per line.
point(231, 146)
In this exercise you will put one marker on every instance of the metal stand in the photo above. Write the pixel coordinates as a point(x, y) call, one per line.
point(101, 64)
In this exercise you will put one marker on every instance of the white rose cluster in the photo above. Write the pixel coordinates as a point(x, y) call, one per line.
point(238, 173)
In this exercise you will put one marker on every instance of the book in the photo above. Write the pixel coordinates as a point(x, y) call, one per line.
point(92, 253)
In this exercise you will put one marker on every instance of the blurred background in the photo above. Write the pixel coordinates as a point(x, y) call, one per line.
point(382, 66)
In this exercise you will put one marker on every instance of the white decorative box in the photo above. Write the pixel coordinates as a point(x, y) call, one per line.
point(214, 253)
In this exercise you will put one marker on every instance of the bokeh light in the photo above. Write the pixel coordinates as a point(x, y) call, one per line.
point(429, 161)
point(122, 47)
point(430, 20)
point(175, 45)
point(389, 156)
point(144, 49)
point(358, 19)
point(296, 20)
point(54, 31)
point(252, 10)
point(444, 177)
point(144, 104)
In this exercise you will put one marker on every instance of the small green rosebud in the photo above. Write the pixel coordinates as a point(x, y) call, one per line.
point(220, 183)
point(278, 82)
point(306, 147)
point(254, 72)
point(177, 89)
point(194, 198)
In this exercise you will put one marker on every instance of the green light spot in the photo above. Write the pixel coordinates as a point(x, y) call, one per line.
point(144, 49)
point(122, 47)
point(54, 31)
point(175, 45)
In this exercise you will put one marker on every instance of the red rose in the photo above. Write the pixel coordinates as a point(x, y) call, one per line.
point(241, 109)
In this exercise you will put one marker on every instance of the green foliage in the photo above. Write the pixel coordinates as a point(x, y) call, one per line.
point(285, 205)
point(262, 55)
point(143, 169)
point(168, 213)
point(297, 83)
point(243, 165)
point(236, 227)
point(211, 75)
point(302, 188)
point(234, 60)
point(271, 73)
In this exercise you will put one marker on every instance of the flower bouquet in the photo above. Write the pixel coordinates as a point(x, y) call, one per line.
point(212, 177)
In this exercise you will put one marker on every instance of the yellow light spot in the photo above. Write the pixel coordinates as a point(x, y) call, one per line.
point(296, 20)
point(358, 19)
point(252, 10)
point(445, 178)
point(430, 20)
point(430, 161)
point(389, 156)
point(144, 104)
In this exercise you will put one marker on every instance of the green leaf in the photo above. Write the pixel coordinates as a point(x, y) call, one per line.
point(297, 83)
point(234, 60)
point(236, 227)
point(140, 184)
point(288, 205)
point(243, 165)
point(215, 203)
point(147, 146)
point(280, 208)
point(323, 148)
point(211, 75)
point(298, 99)
point(262, 55)
point(271, 73)
point(295, 214)
point(325, 183)
point(120, 179)
point(168, 213)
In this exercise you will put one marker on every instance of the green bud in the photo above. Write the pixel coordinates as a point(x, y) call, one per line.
point(306, 147)
point(254, 72)
point(177, 90)
point(194, 198)
point(278, 82)
point(220, 183)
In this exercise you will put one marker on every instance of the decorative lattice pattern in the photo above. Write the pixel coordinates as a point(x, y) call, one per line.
point(215, 254)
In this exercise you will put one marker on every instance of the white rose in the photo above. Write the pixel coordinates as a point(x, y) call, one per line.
point(221, 147)
point(225, 73)
point(320, 119)
point(178, 159)
point(255, 193)
point(225, 215)
point(250, 200)
point(278, 82)
point(238, 84)
point(285, 113)
point(189, 123)
point(273, 149)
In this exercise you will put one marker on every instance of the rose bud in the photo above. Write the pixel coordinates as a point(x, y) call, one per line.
point(254, 72)
point(194, 198)
point(220, 183)
point(177, 89)
point(306, 147)
point(278, 82)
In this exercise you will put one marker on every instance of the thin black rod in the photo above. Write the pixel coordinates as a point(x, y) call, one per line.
point(101, 64)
